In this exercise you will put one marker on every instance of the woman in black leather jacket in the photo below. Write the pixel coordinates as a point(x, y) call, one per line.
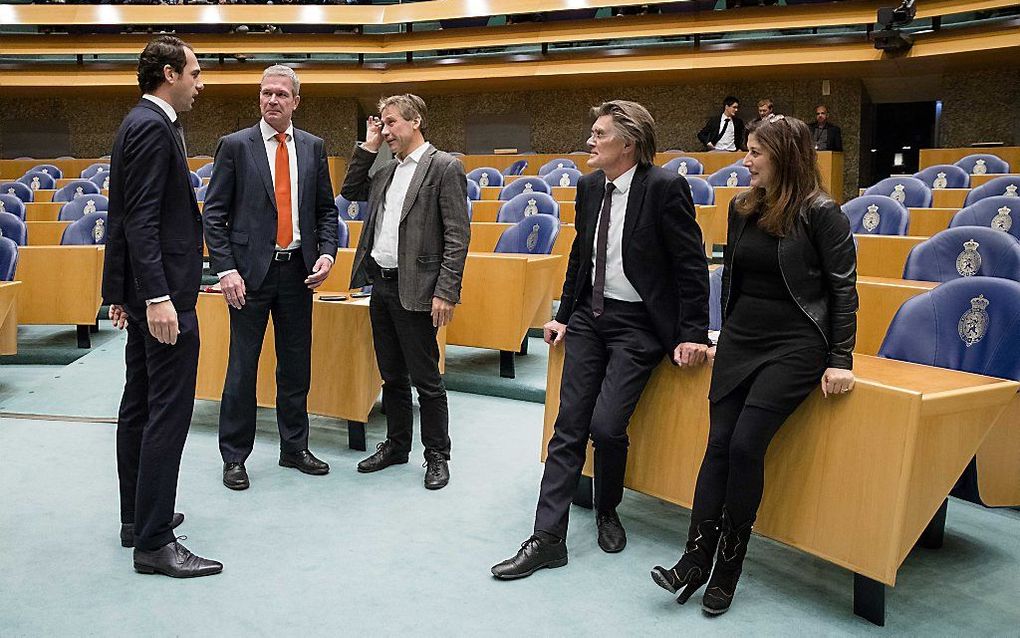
point(789, 323)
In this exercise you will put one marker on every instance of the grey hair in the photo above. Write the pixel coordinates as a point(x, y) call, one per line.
point(634, 124)
point(279, 70)
point(409, 106)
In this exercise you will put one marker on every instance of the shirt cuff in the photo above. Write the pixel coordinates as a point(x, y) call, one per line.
point(361, 145)
point(329, 257)
point(223, 274)
point(149, 302)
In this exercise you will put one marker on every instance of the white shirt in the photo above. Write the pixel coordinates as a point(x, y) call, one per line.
point(272, 144)
point(726, 142)
point(172, 114)
point(617, 284)
point(269, 137)
point(387, 228)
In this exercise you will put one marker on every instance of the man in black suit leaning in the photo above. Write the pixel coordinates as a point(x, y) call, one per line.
point(636, 290)
point(271, 224)
point(151, 275)
point(412, 250)
point(724, 132)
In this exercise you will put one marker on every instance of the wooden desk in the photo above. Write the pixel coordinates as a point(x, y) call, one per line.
point(880, 298)
point(62, 285)
point(9, 316)
point(345, 376)
point(933, 156)
point(998, 460)
point(502, 296)
point(45, 233)
point(980, 180)
point(884, 255)
point(854, 479)
point(949, 197)
point(42, 211)
point(925, 222)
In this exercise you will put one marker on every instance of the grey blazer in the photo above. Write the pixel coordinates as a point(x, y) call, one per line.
point(434, 230)
point(240, 205)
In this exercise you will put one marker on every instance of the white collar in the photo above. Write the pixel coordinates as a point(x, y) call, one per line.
point(416, 155)
point(622, 183)
point(268, 132)
point(162, 104)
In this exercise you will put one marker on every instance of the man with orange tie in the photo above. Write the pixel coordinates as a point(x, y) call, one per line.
point(271, 228)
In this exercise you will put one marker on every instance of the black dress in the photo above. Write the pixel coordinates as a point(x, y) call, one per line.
point(765, 334)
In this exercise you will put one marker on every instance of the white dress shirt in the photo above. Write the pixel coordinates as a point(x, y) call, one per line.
point(727, 141)
point(172, 114)
point(387, 227)
point(269, 137)
point(617, 284)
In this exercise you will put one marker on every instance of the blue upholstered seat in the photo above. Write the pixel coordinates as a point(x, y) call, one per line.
point(526, 204)
point(13, 205)
point(77, 188)
point(877, 215)
point(13, 228)
point(553, 164)
point(1000, 213)
point(1005, 186)
point(944, 176)
point(730, 176)
point(351, 211)
point(533, 235)
point(909, 191)
point(492, 176)
point(983, 163)
point(684, 166)
point(90, 230)
point(81, 206)
point(562, 177)
point(524, 185)
point(964, 251)
point(701, 190)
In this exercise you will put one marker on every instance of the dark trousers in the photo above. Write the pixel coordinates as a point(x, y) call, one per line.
point(407, 352)
point(152, 425)
point(606, 365)
point(284, 294)
point(733, 470)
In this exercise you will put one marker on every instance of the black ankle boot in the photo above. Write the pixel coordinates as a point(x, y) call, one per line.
point(688, 575)
point(728, 563)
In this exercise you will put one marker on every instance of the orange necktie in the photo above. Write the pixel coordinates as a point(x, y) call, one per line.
point(284, 224)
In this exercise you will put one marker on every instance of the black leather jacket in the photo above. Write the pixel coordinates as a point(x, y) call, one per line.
point(818, 260)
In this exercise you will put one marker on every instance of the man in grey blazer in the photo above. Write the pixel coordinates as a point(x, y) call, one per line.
point(412, 251)
point(271, 228)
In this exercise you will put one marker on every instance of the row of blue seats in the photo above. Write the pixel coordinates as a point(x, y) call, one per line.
point(914, 192)
point(25, 186)
point(882, 215)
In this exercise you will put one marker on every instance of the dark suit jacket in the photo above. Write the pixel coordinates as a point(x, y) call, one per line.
point(240, 205)
point(835, 136)
point(434, 225)
point(710, 132)
point(663, 255)
point(154, 240)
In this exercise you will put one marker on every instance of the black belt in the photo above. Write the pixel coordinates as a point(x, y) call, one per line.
point(284, 255)
point(388, 274)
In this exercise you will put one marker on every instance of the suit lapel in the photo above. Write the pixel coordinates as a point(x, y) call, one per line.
point(257, 148)
point(416, 181)
point(635, 199)
point(305, 164)
point(377, 197)
point(177, 142)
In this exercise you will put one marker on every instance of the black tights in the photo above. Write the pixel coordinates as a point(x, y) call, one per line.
point(733, 470)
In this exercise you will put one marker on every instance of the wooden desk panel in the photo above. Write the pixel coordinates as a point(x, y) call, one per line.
point(498, 316)
point(949, 197)
point(979, 180)
point(45, 233)
point(42, 211)
point(61, 284)
point(884, 255)
point(901, 438)
point(933, 156)
point(345, 376)
point(9, 316)
point(880, 299)
point(925, 222)
point(998, 460)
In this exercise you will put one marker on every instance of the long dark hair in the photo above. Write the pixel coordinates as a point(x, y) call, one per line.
point(797, 180)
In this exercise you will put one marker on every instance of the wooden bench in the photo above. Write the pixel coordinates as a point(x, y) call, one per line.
point(855, 479)
point(9, 317)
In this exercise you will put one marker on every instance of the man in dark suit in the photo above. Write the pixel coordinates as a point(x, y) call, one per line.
point(271, 225)
point(724, 132)
point(636, 290)
point(152, 271)
point(412, 250)
point(826, 135)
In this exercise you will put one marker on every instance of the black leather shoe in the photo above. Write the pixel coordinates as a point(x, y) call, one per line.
point(535, 554)
point(127, 530)
point(235, 476)
point(176, 561)
point(612, 536)
point(437, 470)
point(386, 454)
point(304, 461)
